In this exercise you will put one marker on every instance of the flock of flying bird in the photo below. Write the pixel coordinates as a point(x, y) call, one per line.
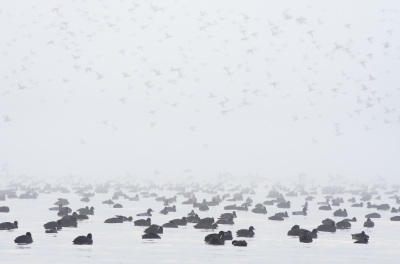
point(277, 196)
point(246, 52)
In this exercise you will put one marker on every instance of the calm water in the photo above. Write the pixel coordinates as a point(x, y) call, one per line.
point(122, 243)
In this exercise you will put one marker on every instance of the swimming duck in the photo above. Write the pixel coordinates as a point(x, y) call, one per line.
point(64, 211)
point(108, 202)
point(276, 218)
point(373, 215)
point(143, 222)
point(181, 222)
point(343, 225)
point(193, 219)
point(125, 219)
point(12, 196)
point(171, 209)
point(24, 239)
point(207, 220)
point(205, 226)
point(262, 210)
point(324, 203)
point(192, 213)
point(8, 225)
point(305, 237)
point(294, 231)
point(172, 200)
point(189, 201)
point(303, 212)
point(246, 232)
point(170, 224)
point(239, 243)
point(204, 207)
point(369, 223)
point(85, 199)
point(352, 200)
point(154, 229)
point(117, 205)
point(53, 224)
point(215, 239)
point(135, 198)
point(336, 202)
point(78, 217)
point(230, 207)
point(228, 215)
point(114, 220)
point(313, 233)
point(284, 205)
point(228, 235)
point(358, 205)
point(246, 204)
point(148, 213)
point(383, 207)
point(69, 222)
point(327, 221)
point(327, 228)
point(358, 236)
point(326, 207)
point(160, 199)
point(242, 208)
point(340, 212)
point(214, 202)
point(86, 211)
point(291, 194)
point(28, 195)
point(268, 202)
point(197, 205)
point(83, 240)
point(164, 211)
point(225, 221)
point(285, 214)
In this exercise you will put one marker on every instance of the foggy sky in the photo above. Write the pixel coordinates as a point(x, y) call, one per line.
point(275, 88)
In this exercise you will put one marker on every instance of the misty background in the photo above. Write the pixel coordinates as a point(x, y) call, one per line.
point(176, 88)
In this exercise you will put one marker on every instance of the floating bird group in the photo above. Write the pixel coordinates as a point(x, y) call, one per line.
point(219, 195)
